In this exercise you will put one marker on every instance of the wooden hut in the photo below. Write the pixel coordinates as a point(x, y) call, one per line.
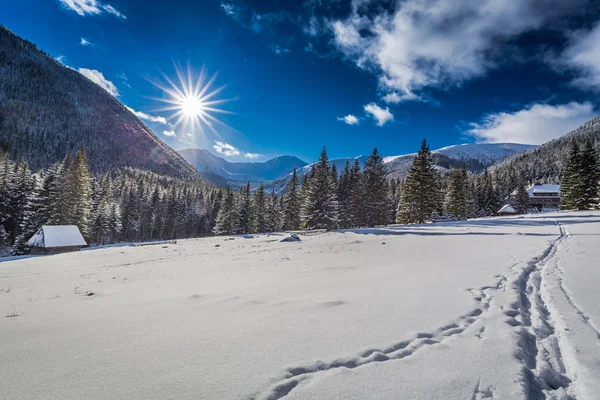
point(52, 239)
point(507, 210)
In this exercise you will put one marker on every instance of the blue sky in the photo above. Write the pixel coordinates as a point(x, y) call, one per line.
point(349, 75)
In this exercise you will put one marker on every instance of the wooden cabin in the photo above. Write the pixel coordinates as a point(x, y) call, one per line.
point(52, 239)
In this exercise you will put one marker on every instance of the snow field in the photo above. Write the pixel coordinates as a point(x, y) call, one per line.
point(493, 308)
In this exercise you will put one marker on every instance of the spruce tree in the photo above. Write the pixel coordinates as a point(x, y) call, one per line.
point(570, 183)
point(375, 191)
point(244, 215)
point(227, 216)
point(589, 176)
point(355, 194)
point(343, 195)
point(259, 211)
point(274, 221)
point(520, 197)
point(456, 193)
point(420, 197)
point(292, 205)
point(321, 206)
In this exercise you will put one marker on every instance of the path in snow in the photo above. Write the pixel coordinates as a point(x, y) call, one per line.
point(398, 313)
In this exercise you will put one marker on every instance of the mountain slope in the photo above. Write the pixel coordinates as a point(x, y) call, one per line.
point(221, 171)
point(547, 161)
point(475, 157)
point(48, 110)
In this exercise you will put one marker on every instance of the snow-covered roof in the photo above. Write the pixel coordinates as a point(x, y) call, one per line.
point(507, 209)
point(57, 236)
point(541, 190)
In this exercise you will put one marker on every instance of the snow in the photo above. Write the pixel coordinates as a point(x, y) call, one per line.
point(57, 236)
point(542, 189)
point(484, 152)
point(507, 209)
point(503, 307)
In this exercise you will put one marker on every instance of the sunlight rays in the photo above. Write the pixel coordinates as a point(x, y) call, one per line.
point(192, 101)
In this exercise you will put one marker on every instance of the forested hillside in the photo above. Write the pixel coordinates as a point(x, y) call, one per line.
point(546, 163)
point(48, 110)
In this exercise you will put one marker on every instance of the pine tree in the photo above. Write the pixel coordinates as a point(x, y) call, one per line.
point(344, 196)
point(274, 221)
point(227, 216)
point(375, 191)
point(520, 197)
point(589, 176)
point(321, 206)
point(259, 210)
point(244, 215)
point(420, 195)
point(355, 189)
point(292, 205)
point(570, 183)
point(456, 194)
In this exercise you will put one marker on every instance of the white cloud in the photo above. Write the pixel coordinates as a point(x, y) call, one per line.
point(147, 117)
point(583, 54)
point(379, 114)
point(395, 98)
point(61, 59)
point(226, 149)
point(277, 49)
point(100, 80)
point(91, 7)
point(169, 133)
point(535, 124)
point(349, 119)
point(229, 10)
point(85, 42)
point(252, 155)
point(124, 79)
point(437, 43)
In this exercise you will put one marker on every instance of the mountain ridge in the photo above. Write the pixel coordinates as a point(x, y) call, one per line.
point(48, 110)
point(474, 156)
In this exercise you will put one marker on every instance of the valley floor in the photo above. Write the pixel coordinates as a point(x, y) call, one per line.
point(505, 308)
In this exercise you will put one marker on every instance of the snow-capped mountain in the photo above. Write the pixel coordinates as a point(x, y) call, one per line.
point(222, 172)
point(474, 156)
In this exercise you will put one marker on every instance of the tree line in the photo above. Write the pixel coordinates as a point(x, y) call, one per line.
point(137, 205)
point(127, 205)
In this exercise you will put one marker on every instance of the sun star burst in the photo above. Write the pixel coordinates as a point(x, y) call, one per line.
point(193, 101)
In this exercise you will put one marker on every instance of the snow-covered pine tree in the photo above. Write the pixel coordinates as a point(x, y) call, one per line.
point(570, 183)
point(343, 195)
point(393, 199)
point(520, 197)
point(304, 190)
point(321, 206)
point(375, 191)
point(589, 176)
point(355, 194)
point(456, 193)
point(420, 197)
point(244, 215)
point(19, 189)
point(274, 221)
point(292, 205)
point(259, 210)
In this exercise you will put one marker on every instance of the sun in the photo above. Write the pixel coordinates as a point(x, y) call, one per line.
point(193, 101)
point(191, 106)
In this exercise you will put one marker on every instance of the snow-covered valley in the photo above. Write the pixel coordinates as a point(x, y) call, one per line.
point(505, 308)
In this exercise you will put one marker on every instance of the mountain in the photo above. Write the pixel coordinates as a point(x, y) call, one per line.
point(48, 110)
point(221, 172)
point(476, 157)
point(546, 162)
